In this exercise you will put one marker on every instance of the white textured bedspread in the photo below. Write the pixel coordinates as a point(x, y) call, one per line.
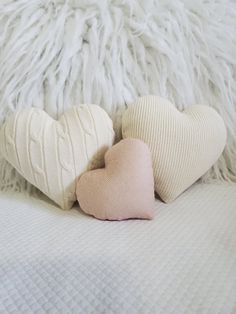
point(184, 261)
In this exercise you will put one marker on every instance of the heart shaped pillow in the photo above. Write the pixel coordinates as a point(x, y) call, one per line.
point(52, 154)
point(184, 145)
point(124, 188)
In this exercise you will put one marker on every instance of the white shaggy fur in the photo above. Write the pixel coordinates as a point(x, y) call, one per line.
point(55, 54)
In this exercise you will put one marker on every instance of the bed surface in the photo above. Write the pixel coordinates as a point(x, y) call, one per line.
point(184, 261)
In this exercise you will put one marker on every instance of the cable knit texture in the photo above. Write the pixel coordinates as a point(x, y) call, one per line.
point(184, 145)
point(124, 188)
point(52, 154)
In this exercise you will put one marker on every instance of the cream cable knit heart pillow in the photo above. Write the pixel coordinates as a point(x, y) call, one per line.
point(184, 145)
point(53, 154)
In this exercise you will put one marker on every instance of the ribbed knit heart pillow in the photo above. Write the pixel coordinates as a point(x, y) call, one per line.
point(52, 154)
point(184, 145)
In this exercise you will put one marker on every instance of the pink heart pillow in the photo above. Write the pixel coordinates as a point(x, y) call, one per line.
point(124, 188)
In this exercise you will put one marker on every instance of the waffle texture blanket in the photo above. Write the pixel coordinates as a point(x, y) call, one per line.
point(58, 53)
point(183, 261)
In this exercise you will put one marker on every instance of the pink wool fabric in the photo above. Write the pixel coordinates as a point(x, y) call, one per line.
point(124, 188)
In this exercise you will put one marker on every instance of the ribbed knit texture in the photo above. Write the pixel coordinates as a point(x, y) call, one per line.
point(51, 155)
point(183, 145)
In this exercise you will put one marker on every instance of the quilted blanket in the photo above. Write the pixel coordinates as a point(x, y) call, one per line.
point(184, 261)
